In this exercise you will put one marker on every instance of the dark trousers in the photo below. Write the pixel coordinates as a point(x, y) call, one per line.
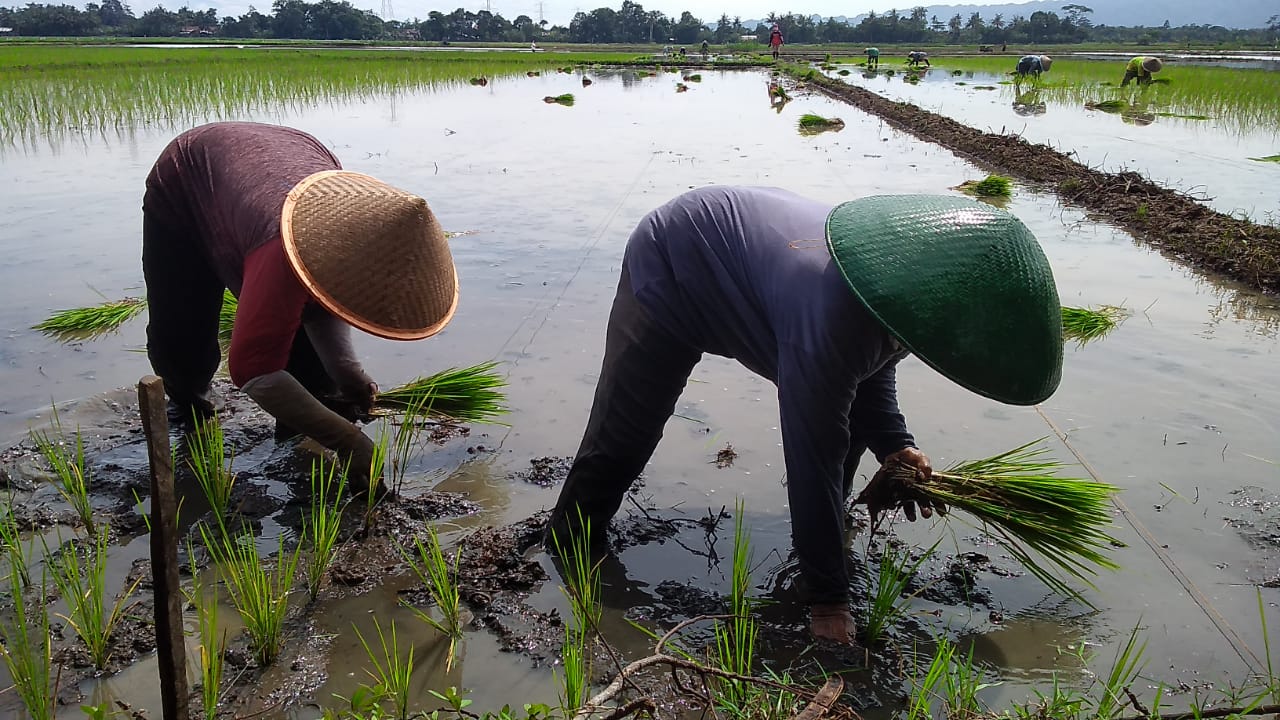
point(184, 296)
point(645, 370)
point(1143, 79)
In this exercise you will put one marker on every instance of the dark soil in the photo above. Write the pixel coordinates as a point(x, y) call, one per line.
point(726, 456)
point(1173, 222)
point(545, 471)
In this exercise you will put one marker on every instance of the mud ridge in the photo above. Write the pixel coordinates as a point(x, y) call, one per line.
point(1166, 219)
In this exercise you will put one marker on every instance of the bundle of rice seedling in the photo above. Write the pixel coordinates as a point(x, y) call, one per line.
point(810, 123)
point(91, 322)
point(565, 99)
point(469, 394)
point(1046, 522)
point(1085, 324)
point(1107, 105)
point(994, 186)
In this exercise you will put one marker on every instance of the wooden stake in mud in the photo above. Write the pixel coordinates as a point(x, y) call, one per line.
point(170, 642)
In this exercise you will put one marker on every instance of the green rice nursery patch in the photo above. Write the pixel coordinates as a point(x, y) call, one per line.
point(1242, 99)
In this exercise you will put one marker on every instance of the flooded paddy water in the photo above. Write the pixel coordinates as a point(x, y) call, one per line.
point(1178, 406)
point(1204, 133)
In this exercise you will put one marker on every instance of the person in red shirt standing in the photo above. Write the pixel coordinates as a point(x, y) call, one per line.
point(309, 250)
point(775, 40)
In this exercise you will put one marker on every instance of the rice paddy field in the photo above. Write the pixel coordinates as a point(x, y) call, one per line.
point(1177, 407)
point(1203, 128)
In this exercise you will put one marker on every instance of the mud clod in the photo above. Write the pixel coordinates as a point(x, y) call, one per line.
point(545, 471)
point(726, 456)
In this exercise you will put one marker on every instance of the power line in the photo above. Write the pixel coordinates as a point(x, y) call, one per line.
point(388, 13)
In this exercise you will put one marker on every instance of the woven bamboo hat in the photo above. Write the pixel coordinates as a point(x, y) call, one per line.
point(962, 284)
point(1152, 65)
point(371, 254)
point(1046, 62)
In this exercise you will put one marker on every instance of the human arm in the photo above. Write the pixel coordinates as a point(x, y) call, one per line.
point(331, 338)
point(268, 317)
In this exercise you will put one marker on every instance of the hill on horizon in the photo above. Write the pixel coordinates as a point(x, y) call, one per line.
point(1226, 13)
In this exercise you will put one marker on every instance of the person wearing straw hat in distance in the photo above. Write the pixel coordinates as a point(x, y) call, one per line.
point(309, 250)
point(824, 302)
point(873, 57)
point(1032, 66)
point(1141, 68)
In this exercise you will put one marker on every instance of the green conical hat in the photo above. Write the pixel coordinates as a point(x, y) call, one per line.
point(962, 284)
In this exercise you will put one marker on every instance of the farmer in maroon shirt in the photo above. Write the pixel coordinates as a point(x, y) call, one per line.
point(309, 250)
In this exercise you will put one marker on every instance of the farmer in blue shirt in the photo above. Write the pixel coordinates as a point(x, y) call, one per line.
point(823, 302)
point(1032, 65)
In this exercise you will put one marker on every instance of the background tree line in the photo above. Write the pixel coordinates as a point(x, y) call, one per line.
point(631, 23)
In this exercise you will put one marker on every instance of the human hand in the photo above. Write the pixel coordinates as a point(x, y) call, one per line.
point(355, 402)
point(893, 485)
point(832, 622)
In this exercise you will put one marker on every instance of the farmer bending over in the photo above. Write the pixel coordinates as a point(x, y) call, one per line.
point(1032, 65)
point(873, 57)
point(1141, 68)
point(744, 273)
point(309, 250)
point(915, 58)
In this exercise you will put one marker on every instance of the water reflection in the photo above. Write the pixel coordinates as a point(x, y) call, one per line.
point(1030, 103)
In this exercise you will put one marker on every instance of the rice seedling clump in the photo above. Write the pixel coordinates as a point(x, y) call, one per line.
point(810, 123)
point(1085, 324)
point(470, 394)
point(90, 322)
point(990, 186)
point(1028, 508)
point(565, 99)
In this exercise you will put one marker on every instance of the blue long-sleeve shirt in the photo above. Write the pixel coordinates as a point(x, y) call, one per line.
point(743, 272)
point(1029, 65)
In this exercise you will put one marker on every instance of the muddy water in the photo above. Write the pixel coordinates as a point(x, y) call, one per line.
point(1206, 158)
point(1179, 407)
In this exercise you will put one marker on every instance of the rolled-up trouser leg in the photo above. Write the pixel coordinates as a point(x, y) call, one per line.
point(644, 371)
point(184, 296)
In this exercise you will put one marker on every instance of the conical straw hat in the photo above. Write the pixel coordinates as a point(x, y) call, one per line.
point(1152, 65)
point(371, 254)
point(1046, 62)
point(961, 284)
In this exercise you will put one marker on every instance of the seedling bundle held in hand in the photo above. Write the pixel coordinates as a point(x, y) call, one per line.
point(1049, 524)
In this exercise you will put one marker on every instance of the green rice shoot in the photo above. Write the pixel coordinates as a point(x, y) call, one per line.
point(992, 186)
point(26, 646)
point(1050, 524)
point(811, 123)
point(1268, 158)
point(1086, 324)
point(565, 99)
point(88, 323)
point(227, 319)
point(84, 590)
point(469, 394)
